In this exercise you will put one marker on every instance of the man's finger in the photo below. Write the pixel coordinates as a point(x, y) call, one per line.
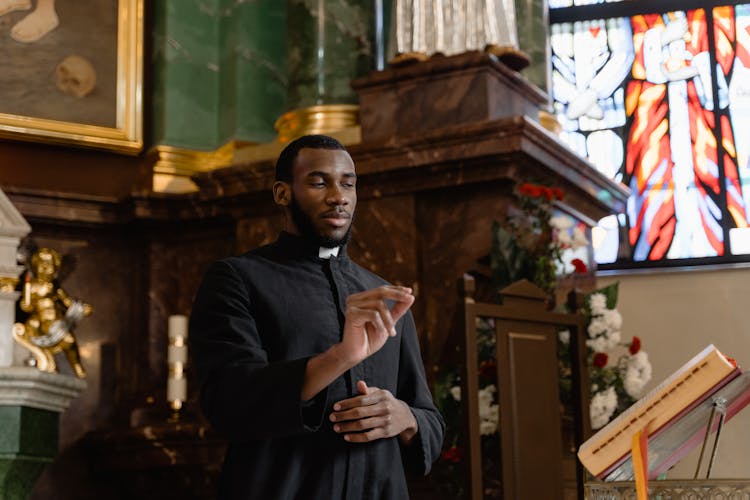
point(363, 424)
point(376, 305)
point(362, 387)
point(364, 437)
point(397, 293)
point(400, 307)
point(369, 318)
point(373, 397)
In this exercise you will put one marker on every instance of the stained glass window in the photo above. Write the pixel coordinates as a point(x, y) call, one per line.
point(636, 94)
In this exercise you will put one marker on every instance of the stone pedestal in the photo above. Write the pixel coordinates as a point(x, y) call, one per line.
point(31, 402)
point(469, 88)
point(13, 227)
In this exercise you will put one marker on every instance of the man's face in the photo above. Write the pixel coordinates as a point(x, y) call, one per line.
point(323, 195)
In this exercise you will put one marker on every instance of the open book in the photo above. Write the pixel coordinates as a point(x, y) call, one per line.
point(695, 382)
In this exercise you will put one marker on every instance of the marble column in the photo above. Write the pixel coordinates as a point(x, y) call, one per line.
point(13, 227)
point(261, 76)
point(219, 80)
point(532, 21)
point(329, 43)
point(31, 402)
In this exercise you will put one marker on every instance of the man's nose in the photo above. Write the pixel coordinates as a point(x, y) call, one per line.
point(337, 196)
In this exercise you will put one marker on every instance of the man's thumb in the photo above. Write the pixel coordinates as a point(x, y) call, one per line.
point(362, 387)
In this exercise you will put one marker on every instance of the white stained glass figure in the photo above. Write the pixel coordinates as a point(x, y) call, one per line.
point(739, 99)
point(557, 4)
point(606, 152)
point(422, 28)
point(605, 238)
point(604, 56)
point(575, 141)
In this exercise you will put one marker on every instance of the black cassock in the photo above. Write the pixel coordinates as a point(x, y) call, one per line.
point(256, 321)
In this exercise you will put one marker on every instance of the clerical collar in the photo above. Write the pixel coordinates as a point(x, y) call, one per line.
point(302, 247)
point(327, 253)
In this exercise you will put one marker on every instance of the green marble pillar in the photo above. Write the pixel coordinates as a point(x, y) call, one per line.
point(219, 71)
point(329, 43)
point(188, 60)
point(28, 442)
point(532, 20)
point(261, 75)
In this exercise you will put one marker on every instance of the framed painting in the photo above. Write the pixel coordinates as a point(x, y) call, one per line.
point(72, 72)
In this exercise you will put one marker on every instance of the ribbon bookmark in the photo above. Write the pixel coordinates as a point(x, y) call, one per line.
point(639, 452)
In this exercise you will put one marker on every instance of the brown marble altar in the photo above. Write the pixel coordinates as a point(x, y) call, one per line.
point(444, 144)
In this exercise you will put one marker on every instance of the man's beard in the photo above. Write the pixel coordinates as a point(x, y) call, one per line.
point(307, 229)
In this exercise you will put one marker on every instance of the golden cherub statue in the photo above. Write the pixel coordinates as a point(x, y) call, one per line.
point(52, 314)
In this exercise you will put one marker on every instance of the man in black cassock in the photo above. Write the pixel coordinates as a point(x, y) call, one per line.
point(308, 363)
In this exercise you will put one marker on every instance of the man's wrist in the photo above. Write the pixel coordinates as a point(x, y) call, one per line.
point(341, 357)
point(407, 435)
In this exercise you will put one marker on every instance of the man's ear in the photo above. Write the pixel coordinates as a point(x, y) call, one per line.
point(282, 193)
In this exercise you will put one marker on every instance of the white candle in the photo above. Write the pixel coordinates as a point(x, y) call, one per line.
point(177, 356)
point(177, 326)
point(176, 389)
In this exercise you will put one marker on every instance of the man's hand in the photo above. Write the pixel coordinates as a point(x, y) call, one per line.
point(369, 321)
point(374, 414)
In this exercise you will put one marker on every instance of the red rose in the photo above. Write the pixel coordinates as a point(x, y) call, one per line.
point(579, 265)
point(488, 369)
point(600, 360)
point(557, 193)
point(452, 454)
point(547, 192)
point(527, 189)
point(531, 190)
point(635, 345)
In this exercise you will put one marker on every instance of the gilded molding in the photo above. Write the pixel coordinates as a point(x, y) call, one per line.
point(175, 166)
point(322, 119)
point(7, 284)
point(549, 121)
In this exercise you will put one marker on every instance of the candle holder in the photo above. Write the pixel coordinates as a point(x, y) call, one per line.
point(177, 356)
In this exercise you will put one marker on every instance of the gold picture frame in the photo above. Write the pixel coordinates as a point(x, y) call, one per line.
point(36, 101)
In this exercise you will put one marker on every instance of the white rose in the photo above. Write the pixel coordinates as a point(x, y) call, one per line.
point(456, 392)
point(637, 374)
point(597, 326)
point(613, 319)
point(598, 303)
point(603, 405)
point(564, 336)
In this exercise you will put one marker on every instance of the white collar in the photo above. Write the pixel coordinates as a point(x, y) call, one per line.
point(326, 253)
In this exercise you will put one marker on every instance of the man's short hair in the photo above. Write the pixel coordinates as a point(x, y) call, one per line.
point(285, 163)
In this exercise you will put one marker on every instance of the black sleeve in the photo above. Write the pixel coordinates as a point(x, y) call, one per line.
point(243, 395)
point(419, 455)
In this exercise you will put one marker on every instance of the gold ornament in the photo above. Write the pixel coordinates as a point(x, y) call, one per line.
point(52, 315)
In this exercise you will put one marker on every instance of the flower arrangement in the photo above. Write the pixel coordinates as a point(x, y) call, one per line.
point(448, 398)
point(528, 243)
point(614, 385)
point(532, 243)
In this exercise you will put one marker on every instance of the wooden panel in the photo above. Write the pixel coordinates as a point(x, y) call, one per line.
point(529, 410)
